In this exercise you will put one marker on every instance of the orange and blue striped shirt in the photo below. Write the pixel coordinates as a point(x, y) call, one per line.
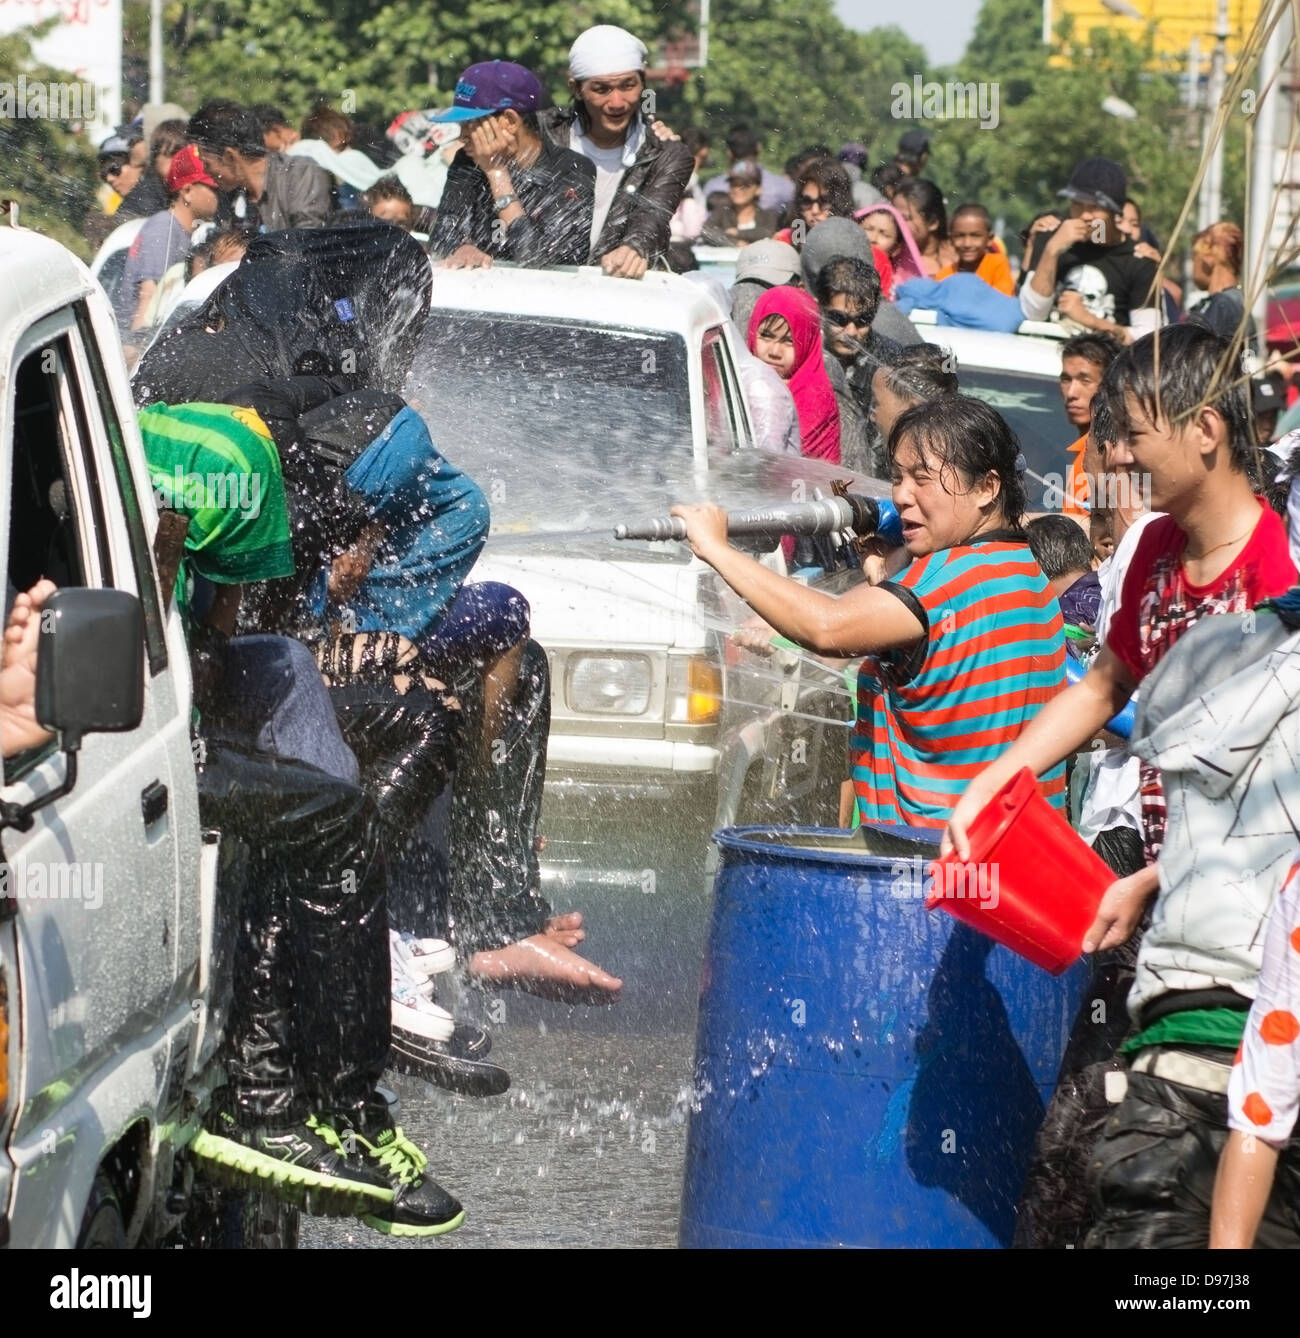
point(994, 656)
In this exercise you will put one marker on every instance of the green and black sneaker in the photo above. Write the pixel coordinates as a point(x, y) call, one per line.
point(420, 1206)
point(306, 1164)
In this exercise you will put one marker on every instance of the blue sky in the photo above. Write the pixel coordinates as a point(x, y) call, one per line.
point(942, 27)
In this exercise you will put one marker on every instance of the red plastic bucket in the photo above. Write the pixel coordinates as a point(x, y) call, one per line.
point(1030, 884)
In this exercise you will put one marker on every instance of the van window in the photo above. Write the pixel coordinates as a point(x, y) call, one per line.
point(719, 421)
point(47, 535)
point(98, 401)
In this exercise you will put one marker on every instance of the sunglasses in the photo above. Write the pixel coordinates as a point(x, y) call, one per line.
point(110, 172)
point(841, 320)
point(809, 201)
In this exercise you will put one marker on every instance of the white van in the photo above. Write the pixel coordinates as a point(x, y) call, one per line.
point(108, 924)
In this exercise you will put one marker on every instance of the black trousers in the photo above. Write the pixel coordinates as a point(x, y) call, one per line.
point(1152, 1172)
point(475, 881)
point(1054, 1212)
point(310, 1017)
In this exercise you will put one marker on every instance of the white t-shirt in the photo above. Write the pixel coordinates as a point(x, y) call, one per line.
point(1111, 798)
point(610, 165)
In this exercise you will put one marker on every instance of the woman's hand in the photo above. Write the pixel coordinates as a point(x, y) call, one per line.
point(706, 528)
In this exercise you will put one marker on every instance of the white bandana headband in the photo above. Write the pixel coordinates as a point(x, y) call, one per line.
point(605, 49)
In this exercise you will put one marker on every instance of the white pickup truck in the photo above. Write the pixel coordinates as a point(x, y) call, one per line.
point(109, 1013)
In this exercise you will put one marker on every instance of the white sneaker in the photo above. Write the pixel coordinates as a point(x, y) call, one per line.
point(422, 957)
point(418, 1016)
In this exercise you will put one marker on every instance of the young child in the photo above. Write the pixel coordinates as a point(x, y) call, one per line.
point(1217, 549)
point(888, 232)
point(785, 332)
point(971, 235)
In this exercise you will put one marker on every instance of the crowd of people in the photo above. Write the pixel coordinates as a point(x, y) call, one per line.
point(330, 737)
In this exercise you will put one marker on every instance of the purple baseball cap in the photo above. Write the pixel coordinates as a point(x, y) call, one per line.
point(492, 86)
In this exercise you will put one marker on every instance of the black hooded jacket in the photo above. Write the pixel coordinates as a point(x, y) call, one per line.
point(648, 192)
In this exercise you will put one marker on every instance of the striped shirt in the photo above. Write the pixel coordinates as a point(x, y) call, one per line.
point(994, 656)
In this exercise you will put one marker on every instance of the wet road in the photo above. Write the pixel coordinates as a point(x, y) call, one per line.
point(584, 1150)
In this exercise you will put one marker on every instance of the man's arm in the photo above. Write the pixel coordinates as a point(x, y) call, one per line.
point(1062, 727)
point(307, 194)
point(648, 225)
point(457, 228)
point(864, 621)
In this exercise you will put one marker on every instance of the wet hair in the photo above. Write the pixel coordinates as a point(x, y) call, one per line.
point(928, 201)
point(887, 177)
point(220, 124)
point(323, 122)
point(1102, 427)
point(742, 141)
point(832, 180)
point(387, 188)
point(168, 137)
point(1059, 546)
point(1092, 346)
point(958, 434)
point(768, 326)
point(237, 237)
point(269, 116)
point(695, 138)
point(977, 209)
point(919, 373)
point(1226, 236)
point(855, 278)
point(1195, 371)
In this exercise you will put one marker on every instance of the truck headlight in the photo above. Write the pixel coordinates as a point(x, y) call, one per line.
point(608, 684)
point(694, 690)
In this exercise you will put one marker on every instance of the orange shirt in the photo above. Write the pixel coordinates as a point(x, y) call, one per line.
point(1076, 480)
point(994, 269)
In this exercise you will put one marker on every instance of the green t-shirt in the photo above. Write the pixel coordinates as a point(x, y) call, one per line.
point(218, 465)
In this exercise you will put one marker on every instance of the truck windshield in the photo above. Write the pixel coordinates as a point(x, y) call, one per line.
point(1032, 406)
point(556, 421)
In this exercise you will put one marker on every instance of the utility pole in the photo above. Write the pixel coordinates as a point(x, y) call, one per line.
point(1210, 204)
point(1263, 169)
point(156, 93)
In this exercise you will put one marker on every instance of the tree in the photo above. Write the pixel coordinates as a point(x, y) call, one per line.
point(48, 165)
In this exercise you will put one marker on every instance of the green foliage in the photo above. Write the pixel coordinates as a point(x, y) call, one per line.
point(45, 164)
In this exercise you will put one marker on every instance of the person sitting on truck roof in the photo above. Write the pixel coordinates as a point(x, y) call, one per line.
point(309, 1031)
point(511, 193)
point(641, 176)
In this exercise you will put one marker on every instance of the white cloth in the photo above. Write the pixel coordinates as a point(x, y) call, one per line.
point(605, 49)
point(351, 165)
point(771, 406)
point(1111, 797)
point(1227, 758)
point(1264, 1089)
point(610, 165)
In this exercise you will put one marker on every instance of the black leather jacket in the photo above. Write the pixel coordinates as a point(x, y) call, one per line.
point(648, 193)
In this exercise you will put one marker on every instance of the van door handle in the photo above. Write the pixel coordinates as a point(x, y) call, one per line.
point(153, 802)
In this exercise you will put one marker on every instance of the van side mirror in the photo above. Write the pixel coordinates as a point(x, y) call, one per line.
point(89, 677)
point(90, 664)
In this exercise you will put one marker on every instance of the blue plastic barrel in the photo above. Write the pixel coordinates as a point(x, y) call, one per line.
point(867, 1073)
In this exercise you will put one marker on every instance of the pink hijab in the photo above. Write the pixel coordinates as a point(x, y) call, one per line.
point(906, 255)
point(814, 398)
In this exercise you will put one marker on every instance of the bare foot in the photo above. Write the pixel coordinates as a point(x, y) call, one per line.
point(566, 929)
point(18, 727)
point(545, 967)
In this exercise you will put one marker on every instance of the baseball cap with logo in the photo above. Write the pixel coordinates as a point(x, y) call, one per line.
point(493, 86)
point(1097, 181)
point(1268, 392)
point(186, 169)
